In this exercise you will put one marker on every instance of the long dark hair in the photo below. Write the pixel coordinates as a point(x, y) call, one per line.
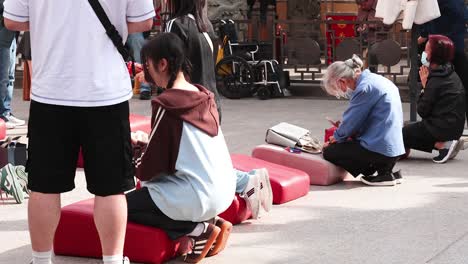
point(170, 47)
point(181, 8)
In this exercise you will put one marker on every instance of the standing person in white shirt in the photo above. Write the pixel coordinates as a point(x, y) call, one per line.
point(80, 92)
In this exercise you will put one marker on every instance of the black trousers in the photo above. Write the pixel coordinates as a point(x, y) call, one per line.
point(416, 136)
point(372, 59)
point(461, 68)
point(142, 210)
point(355, 159)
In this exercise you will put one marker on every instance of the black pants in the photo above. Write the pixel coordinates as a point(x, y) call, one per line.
point(416, 136)
point(461, 68)
point(142, 210)
point(355, 159)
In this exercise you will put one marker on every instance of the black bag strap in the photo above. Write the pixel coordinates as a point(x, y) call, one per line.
point(112, 32)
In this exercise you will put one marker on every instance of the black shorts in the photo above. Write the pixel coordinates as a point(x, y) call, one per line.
point(56, 134)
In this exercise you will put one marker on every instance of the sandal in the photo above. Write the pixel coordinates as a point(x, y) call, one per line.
point(202, 243)
point(221, 240)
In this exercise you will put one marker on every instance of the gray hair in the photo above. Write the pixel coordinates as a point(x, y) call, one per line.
point(340, 70)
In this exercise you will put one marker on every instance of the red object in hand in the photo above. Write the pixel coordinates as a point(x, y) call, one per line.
point(138, 68)
point(329, 132)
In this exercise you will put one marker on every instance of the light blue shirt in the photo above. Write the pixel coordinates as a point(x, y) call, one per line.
point(374, 116)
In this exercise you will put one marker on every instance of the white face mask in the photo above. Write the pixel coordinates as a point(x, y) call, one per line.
point(424, 60)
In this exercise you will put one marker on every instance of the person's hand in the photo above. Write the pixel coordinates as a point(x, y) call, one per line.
point(139, 136)
point(138, 67)
point(330, 141)
point(421, 40)
point(140, 77)
point(423, 74)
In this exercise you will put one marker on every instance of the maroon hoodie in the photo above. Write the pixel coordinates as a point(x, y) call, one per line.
point(170, 110)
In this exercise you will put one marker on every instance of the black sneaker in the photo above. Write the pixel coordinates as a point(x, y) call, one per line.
point(145, 95)
point(446, 153)
point(380, 180)
point(397, 176)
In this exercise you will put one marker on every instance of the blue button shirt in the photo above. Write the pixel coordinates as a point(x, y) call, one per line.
point(374, 116)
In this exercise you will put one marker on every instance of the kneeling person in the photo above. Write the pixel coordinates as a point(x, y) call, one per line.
point(186, 170)
point(369, 139)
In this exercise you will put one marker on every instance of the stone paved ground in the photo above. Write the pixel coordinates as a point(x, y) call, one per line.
point(421, 221)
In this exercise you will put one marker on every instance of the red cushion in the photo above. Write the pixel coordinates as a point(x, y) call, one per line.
point(321, 172)
point(287, 183)
point(76, 235)
point(2, 129)
point(237, 212)
point(139, 122)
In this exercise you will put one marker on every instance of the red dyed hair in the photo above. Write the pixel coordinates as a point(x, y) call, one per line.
point(442, 49)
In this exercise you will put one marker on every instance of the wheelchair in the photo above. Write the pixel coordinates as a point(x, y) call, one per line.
point(242, 70)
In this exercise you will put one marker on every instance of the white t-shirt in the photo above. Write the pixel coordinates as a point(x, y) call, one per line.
point(74, 61)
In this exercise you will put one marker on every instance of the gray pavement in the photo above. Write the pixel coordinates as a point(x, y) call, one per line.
point(422, 220)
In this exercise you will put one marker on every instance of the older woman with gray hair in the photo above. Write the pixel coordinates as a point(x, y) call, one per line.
point(369, 138)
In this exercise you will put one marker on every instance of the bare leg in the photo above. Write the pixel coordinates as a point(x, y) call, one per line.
point(43, 217)
point(110, 217)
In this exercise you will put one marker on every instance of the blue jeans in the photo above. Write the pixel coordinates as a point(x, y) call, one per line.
point(242, 180)
point(7, 71)
point(136, 42)
point(145, 87)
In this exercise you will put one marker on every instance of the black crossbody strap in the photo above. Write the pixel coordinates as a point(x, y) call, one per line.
point(111, 31)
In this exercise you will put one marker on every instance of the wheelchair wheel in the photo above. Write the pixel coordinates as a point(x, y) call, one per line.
point(234, 77)
point(264, 93)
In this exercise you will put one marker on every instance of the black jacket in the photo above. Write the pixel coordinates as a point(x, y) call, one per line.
point(199, 52)
point(442, 104)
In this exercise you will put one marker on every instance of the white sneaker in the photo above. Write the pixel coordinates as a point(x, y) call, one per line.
point(126, 260)
point(16, 121)
point(266, 194)
point(460, 146)
point(251, 195)
point(9, 125)
point(448, 152)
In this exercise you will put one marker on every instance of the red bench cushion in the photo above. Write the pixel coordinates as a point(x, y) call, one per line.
point(142, 123)
point(76, 235)
point(287, 183)
point(321, 172)
point(2, 129)
point(237, 212)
